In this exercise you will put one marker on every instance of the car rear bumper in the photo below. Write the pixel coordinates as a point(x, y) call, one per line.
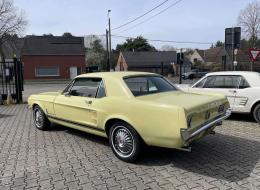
point(188, 136)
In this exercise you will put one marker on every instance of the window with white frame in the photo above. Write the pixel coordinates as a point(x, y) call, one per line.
point(47, 71)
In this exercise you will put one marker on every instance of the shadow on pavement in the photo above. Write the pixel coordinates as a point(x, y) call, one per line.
point(220, 156)
point(55, 128)
point(80, 134)
point(241, 117)
point(5, 115)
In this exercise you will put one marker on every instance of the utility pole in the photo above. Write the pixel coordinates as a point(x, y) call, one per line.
point(107, 48)
point(235, 58)
point(162, 68)
point(233, 44)
point(109, 38)
point(180, 66)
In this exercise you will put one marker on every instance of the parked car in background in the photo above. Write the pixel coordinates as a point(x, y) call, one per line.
point(241, 88)
point(194, 73)
point(131, 109)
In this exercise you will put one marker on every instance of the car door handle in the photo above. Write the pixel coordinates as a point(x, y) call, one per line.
point(88, 102)
point(233, 91)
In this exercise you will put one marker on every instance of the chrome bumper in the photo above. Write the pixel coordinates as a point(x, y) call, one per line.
point(187, 136)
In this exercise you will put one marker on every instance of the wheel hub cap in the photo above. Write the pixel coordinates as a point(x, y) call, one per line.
point(123, 141)
point(38, 118)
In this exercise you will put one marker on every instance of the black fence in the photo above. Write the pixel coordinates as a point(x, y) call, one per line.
point(11, 80)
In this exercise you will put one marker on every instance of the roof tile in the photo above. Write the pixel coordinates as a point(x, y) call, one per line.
point(53, 45)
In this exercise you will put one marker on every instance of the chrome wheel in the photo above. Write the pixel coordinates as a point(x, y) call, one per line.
point(122, 141)
point(38, 118)
point(256, 113)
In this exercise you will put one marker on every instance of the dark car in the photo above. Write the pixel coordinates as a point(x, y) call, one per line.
point(194, 73)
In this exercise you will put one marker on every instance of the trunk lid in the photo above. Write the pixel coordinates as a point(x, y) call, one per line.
point(199, 108)
point(188, 101)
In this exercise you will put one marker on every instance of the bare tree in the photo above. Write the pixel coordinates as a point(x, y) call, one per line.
point(249, 20)
point(88, 39)
point(12, 22)
point(95, 54)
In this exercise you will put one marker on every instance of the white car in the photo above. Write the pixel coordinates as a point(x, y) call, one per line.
point(242, 89)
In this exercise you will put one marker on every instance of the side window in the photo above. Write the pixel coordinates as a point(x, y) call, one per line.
point(209, 83)
point(101, 90)
point(85, 87)
point(219, 82)
point(200, 84)
point(231, 81)
point(243, 83)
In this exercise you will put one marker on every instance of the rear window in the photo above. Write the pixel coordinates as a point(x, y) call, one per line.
point(144, 85)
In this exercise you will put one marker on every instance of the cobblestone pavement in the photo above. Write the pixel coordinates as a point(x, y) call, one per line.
point(67, 159)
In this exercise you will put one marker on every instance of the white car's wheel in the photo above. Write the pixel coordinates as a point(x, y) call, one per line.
point(256, 113)
point(125, 142)
point(40, 120)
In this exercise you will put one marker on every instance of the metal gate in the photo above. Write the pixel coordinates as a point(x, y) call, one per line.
point(11, 80)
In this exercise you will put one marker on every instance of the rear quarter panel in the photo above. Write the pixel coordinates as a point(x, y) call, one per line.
point(157, 125)
point(251, 94)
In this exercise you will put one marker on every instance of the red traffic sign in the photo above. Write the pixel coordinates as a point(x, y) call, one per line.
point(254, 53)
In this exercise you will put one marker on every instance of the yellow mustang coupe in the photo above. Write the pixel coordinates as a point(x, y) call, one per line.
point(131, 109)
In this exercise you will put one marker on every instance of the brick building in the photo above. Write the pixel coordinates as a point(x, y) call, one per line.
point(52, 57)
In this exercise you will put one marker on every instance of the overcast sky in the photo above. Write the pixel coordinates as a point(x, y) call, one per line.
point(189, 20)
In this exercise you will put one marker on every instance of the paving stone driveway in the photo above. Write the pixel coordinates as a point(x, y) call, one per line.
point(67, 159)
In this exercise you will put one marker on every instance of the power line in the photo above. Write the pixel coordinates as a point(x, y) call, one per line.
point(170, 6)
point(171, 41)
point(129, 22)
point(157, 40)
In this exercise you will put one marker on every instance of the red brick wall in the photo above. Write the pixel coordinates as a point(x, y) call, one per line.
point(63, 62)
